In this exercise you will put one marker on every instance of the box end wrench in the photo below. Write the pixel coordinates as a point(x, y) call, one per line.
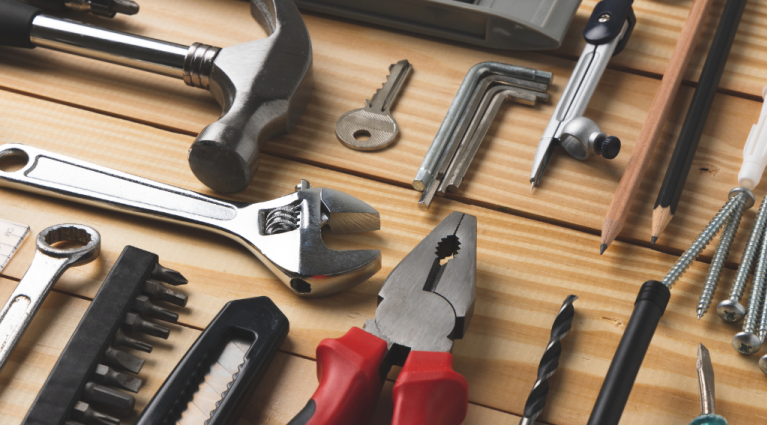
point(284, 233)
point(48, 264)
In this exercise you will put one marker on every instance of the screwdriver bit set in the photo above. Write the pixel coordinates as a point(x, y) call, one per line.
point(88, 383)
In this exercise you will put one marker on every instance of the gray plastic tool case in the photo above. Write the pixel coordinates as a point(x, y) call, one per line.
point(499, 24)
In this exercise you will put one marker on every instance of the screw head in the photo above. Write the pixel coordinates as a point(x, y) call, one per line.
point(763, 364)
point(604, 17)
point(746, 343)
point(731, 311)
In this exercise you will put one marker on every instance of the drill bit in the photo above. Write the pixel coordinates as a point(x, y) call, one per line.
point(550, 361)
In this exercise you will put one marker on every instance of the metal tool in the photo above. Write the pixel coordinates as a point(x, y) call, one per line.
point(263, 86)
point(606, 34)
point(284, 233)
point(223, 367)
point(424, 305)
point(549, 362)
point(48, 264)
point(105, 8)
point(12, 235)
point(513, 25)
point(454, 146)
point(87, 382)
point(372, 128)
point(707, 391)
point(651, 303)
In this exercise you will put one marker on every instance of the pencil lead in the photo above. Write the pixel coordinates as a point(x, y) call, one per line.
point(653, 240)
point(602, 248)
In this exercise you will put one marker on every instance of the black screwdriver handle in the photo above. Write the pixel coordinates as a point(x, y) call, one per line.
point(16, 23)
point(648, 309)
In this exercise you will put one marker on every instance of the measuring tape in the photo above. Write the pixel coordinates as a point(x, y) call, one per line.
point(11, 236)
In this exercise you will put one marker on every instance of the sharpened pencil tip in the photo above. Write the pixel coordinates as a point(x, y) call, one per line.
point(602, 248)
point(653, 240)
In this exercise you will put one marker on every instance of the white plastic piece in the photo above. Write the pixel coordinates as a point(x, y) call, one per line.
point(755, 152)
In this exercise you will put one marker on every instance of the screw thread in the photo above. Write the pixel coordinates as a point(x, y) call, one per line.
point(720, 256)
point(762, 330)
point(703, 239)
point(549, 362)
point(757, 291)
point(749, 254)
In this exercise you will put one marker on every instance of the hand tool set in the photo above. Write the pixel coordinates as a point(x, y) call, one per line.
point(81, 387)
point(468, 119)
point(423, 306)
point(263, 86)
point(427, 301)
point(12, 235)
point(516, 25)
point(606, 33)
point(284, 233)
point(373, 128)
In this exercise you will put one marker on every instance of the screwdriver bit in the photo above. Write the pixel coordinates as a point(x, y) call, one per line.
point(134, 323)
point(122, 360)
point(85, 414)
point(144, 307)
point(157, 291)
point(122, 340)
point(113, 399)
point(168, 276)
point(105, 375)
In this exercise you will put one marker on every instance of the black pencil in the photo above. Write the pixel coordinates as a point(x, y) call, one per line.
point(687, 144)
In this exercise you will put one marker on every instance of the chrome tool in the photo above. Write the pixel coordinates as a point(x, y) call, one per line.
point(424, 305)
point(12, 235)
point(373, 128)
point(707, 391)
point(263, 86)
point(606, 33)
point(284, 233)
point(48, 264)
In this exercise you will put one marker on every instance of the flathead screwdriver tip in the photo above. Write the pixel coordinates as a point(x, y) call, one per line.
point(653, 240)
point(602, 248)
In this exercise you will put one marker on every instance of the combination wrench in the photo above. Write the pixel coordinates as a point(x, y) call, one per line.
point(284, 233)
point(47, 266)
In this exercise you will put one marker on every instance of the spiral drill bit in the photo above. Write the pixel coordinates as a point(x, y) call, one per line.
point(550, 361)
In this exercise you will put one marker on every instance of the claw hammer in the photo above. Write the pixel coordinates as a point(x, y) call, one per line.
point(263, 86)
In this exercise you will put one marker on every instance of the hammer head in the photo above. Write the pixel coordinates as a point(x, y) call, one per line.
point(289, 240)
point(263, 87)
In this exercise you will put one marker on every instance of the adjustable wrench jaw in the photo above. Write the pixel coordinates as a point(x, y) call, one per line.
point(289, 240)
point(263, 87)
point(425, 305)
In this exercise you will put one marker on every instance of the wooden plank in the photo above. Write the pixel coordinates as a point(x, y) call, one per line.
point(33, 359)
point(525, 269)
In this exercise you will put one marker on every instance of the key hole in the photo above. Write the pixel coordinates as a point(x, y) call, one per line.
point(362, 135)
point(13, 160)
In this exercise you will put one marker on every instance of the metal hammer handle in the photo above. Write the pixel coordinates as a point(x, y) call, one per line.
point(63, 177)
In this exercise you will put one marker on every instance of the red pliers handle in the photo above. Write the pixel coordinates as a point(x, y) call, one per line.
point(427, 392)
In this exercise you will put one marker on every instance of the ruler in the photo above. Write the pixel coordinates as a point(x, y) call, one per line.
point(11, 237)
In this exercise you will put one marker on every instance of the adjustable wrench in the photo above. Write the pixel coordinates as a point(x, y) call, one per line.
point(284, 233)
point(47, 266)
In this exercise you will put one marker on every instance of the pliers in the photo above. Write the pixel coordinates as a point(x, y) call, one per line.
point(424, 305)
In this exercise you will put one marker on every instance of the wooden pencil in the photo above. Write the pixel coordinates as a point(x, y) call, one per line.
point(700, 105)
point(656, 119)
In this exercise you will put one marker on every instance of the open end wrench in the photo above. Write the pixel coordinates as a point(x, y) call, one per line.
point(284, 233)
point(47, 266)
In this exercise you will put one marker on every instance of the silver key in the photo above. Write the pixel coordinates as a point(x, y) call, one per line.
point(372, 127)
point(47, 266)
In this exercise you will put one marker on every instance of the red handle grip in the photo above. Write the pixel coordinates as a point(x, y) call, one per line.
point(429, 391)
point(350, 381)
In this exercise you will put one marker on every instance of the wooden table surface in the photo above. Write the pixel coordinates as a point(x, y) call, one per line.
point(533, 249)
